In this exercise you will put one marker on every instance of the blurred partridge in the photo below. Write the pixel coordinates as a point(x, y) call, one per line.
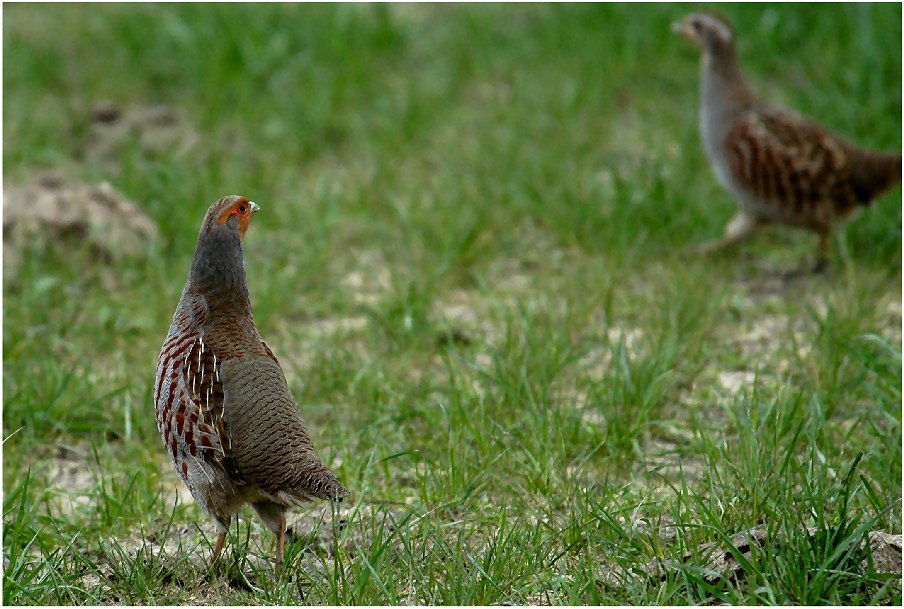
point(228, 420)
point(782, 168)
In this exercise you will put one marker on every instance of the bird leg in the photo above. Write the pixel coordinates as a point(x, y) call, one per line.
point(280, 548)
point(223, 522)
point(822, 260)
point(221, 541)
point(822, 256)
point(739, 228)
point(822, 263)
point(274, 516)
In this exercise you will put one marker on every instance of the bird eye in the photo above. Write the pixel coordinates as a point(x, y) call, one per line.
point(242, 208)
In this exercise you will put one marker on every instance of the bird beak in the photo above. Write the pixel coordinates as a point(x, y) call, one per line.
point(677, 27)
point(254, 206)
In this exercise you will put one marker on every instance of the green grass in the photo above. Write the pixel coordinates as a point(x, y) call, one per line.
point(469, 263)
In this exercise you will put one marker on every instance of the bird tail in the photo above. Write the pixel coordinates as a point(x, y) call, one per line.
point(872, 173)
point(332, 489)
point(320, 482)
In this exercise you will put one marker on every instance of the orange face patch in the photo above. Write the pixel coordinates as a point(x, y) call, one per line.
point(243, 208)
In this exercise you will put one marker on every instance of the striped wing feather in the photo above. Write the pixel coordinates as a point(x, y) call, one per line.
point(790, 162)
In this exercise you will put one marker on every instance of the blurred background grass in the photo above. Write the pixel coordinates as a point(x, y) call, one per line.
point(467, 263)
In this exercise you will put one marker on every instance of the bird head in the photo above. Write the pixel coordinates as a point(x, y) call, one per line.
point(708, 32)
point(218, 265)
point(233, 212)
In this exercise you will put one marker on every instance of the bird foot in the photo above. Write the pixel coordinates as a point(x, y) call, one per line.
point(821, 266)
point(704, 249)
point(818, 270)
point(792, 275)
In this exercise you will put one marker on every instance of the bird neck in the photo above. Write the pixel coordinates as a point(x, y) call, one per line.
point(722, 85)
point(218, 271)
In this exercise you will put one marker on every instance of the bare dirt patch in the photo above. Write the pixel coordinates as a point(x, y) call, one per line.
point(724, 560)
point(155, 129)
point(69, 482)
point(370, 280)
point(765, 337)
point(51, 210)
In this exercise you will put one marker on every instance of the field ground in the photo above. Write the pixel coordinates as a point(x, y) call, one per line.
point(471, 262)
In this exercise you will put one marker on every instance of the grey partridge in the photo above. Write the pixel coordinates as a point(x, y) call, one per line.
point(224, 409)
point(782, 168)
